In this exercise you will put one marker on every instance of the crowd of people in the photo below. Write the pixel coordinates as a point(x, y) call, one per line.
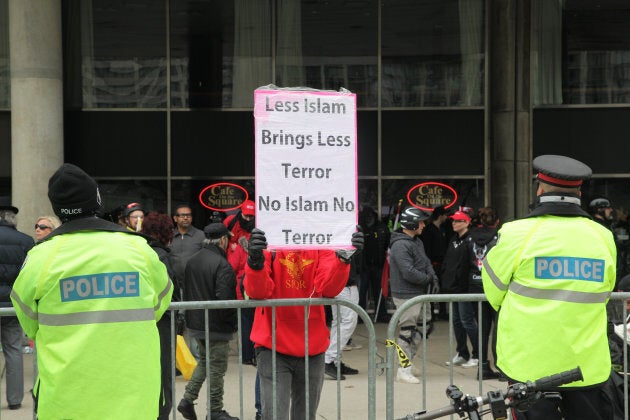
point(154, 258)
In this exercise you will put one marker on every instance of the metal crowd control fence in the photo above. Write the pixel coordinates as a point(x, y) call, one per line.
point(616, 306)
point(239, 305)
point(617, 310)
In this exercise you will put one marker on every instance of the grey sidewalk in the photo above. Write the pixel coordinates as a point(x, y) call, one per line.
point(354, 401)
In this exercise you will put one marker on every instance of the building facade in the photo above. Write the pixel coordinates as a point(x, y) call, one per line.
point(154, 98)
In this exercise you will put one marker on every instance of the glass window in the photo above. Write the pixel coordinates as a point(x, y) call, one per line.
point(469, 193)
point(328, 45)
point(433, 53)
point(188, 191)
point(581, 52)
point(5, 77)
point(119, 50)
point(220, 52)
point(150, 194)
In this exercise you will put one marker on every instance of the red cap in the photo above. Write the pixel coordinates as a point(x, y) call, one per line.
point(460, 215)
point(248, 208)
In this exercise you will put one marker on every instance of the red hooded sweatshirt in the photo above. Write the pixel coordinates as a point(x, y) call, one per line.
point(295, 274)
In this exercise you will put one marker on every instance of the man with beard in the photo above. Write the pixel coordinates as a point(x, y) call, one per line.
point(601, 210)
point(241, 223)
point(187, 240)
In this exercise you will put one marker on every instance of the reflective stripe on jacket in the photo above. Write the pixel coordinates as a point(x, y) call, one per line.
point(551, 277)
point(90, 300)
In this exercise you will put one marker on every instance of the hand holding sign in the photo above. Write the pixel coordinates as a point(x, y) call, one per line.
point(306, 167)
point(358, 239)
point(257, 242)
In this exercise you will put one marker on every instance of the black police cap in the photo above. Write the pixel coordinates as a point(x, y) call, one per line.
point(561, 171)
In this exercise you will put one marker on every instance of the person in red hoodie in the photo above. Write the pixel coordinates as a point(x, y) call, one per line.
point(293, 274)
point(240, 225)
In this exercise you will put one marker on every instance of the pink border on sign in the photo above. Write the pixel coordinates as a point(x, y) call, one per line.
point(260, 114)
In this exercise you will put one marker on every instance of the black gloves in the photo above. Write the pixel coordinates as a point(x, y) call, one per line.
point(357, 241)
point(257, 242)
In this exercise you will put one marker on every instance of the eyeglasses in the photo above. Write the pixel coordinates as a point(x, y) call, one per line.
point(459, 221)
point(42, 227)
point(184, 215)
point(136, 217)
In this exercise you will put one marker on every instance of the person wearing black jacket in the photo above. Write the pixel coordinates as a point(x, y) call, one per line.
point(159, 229)
point(209, 276)
point(13, 248)
point(480, 241)
point(374, 253)
point(455, 272)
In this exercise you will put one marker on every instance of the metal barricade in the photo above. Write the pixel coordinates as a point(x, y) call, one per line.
point(390, 365)
point(273, 304)
point(616, 308)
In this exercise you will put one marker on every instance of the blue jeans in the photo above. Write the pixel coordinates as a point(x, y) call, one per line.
point(465, 326)
point(290, 384)
point(469, 324)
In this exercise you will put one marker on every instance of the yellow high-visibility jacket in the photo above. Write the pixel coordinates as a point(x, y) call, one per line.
point(550, 277)
point(90, 299)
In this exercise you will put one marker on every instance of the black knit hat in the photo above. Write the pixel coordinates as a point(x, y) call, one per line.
point(73, 193)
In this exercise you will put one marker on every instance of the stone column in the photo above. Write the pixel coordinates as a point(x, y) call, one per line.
point(509, 107)
point(36, 104)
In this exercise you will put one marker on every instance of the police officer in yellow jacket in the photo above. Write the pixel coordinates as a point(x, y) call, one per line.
point(550, 276)
point(90, 295)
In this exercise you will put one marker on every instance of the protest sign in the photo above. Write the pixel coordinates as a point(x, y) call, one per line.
point(306, 167)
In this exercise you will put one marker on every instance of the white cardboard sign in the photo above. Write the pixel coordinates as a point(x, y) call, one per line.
point(306, 167)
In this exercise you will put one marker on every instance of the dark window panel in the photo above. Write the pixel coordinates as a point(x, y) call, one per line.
point(433, 142)
point(597, 136)
point(213, 143)
point(5, 143)
point(117, 143)
point(367, 140)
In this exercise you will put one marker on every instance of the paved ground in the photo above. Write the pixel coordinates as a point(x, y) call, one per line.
point(353, 391)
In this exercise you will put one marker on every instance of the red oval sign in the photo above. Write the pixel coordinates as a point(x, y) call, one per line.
point(429, 195)
point(223, 196)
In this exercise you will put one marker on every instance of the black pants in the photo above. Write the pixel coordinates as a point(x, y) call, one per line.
point(247, 320)
point(587, 404)
point(166, 388)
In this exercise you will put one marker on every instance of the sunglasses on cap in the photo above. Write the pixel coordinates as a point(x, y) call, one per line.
point(42, 227)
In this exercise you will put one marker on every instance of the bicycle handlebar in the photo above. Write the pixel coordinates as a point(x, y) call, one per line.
point(547, 383)
point(554, 381)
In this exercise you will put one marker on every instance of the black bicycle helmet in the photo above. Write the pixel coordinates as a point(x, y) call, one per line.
point(598, 203)
point(131, 207)
point(411, 217)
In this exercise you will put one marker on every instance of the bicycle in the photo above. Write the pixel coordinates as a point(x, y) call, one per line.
point(518, 395)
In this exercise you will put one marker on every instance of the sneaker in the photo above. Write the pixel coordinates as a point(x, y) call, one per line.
point(221, 415)
point(456, 361)
point(187, 409)
point(331, 370)
point(404, 375)
point(471, 363)
point(15, 406)
point(352, 346)
point(347, 370)
point(416, 371)
point(489, 374)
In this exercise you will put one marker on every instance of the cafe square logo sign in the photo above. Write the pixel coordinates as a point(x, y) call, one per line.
point(223, 196)
point(429, 195)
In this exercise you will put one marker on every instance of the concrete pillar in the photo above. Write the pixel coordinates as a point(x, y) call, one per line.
point(36, 104)
point(509, 107)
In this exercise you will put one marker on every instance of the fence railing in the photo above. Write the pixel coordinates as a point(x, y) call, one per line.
point(391, 363)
